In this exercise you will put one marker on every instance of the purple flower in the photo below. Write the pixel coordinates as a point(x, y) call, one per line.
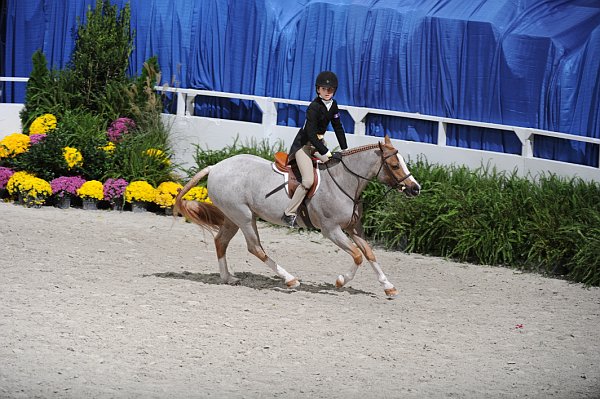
point(114, 188)
point(66, 185)
point(118, 128)
point(36, 138)
point(5, 174)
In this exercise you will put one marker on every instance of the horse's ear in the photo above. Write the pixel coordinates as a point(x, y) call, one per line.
point(387, 140)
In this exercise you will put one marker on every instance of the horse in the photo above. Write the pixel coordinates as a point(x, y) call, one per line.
point(241, 190)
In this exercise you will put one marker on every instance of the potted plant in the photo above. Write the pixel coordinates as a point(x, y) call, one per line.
point(91, 192)
point(166, 193)
point(5, 175)
point(114, 189)
point(17, 185)
point(65, 187)
point(139, 193)
point(199, 194)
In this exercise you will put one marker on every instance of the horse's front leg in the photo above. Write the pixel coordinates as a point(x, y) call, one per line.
point(365, 248)
point(338, 237)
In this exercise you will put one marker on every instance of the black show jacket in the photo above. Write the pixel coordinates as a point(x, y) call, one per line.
point(317, 120)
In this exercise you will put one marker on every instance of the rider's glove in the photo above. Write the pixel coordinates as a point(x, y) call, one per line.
point(337, 155)
point(322, 158)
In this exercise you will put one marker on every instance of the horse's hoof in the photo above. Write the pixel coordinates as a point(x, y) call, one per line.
point(292, 283)
point(231, 281)
point(392, 293)
point(339, 282)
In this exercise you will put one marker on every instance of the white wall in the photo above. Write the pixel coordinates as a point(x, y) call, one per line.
point(188, 131)
point(9, 119)
point(209, 133)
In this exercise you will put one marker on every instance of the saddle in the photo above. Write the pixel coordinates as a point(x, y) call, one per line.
point(292, 176)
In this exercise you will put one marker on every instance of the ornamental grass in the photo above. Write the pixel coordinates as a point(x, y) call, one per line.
point(158, 155)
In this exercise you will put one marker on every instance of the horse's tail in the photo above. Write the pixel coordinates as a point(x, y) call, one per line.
point(204, 214)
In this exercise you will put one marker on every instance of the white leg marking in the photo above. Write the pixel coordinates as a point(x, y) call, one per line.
point(381, 277)
point(346, 278)
point(226, 277)
point(290, 280)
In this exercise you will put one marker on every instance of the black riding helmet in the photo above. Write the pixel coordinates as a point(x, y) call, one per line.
point(327, 79)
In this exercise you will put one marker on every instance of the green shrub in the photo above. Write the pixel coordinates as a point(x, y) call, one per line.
point(101, 55)
point(132, 161)
point(482, 216)
point(205, 157)
point(89, 95)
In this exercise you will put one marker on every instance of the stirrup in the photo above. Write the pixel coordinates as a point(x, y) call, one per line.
point(289, 220)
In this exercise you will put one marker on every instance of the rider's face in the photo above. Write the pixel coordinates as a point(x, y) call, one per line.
point(326, 92)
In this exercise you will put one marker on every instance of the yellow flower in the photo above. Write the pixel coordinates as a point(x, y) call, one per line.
point(199, 194)
point(43, 124)
point(18, 182)
point(36, 190)
point(13, 145)
point(92, 189)
point(73, 157)
point(158, 155)
point(166, 193)
point(140, 191)
point(109, 148)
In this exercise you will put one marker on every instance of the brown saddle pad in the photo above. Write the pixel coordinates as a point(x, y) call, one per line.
point(294, 177)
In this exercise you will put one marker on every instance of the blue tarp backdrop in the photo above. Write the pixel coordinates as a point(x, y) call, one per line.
point(528, 63)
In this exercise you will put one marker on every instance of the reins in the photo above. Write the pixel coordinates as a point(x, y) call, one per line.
point(357, 199)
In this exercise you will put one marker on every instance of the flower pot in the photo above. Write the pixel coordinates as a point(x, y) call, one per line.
point(169, 211)
point(117, 204)
point(139, 206)
point(63, 202)
point(89, 204)
point(31, 202)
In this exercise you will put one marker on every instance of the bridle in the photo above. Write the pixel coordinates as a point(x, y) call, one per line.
point(356, 199)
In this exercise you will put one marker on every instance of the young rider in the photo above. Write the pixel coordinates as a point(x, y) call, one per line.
point(309, 140)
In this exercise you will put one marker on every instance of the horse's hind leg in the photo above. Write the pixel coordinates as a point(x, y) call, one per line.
point(226, 232)
point(253, 241)
point(365, 248)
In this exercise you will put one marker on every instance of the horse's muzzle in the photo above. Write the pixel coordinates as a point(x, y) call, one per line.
point(411, 190)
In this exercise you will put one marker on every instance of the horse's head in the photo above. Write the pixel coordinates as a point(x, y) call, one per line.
point(395, 172)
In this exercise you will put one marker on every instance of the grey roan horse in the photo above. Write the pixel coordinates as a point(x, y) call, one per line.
point(238, 188)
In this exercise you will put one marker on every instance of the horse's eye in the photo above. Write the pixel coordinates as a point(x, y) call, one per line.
point(395, 166)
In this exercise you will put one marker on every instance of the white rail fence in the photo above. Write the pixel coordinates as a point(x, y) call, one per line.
point(189, 130)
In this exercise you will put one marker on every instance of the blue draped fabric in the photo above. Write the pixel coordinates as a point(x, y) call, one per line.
point(529, 63)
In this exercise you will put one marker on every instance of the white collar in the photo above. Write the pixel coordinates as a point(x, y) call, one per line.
point(327, 103)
